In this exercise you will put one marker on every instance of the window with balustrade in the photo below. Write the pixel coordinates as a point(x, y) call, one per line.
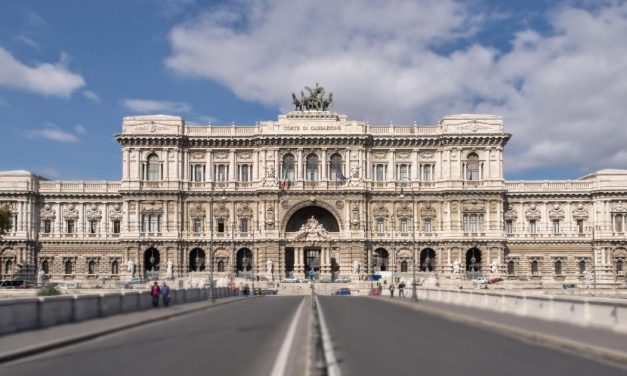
point(70, 226)
point(509, 226)
point(473, 223)
point(403, 225)
point(426, 225)
point(47, 226)
point(580, 226)
point(555, 225)
point(197, 225)
point(535, 269)
point(426, 172)
point(288, 169)
point(116, 226)
point(532, 227)
point(380, 224)
point(243, 225)
point(472, 167)
point(244, 172)
point(336, 168)
point(558, 267)
point(93, 226)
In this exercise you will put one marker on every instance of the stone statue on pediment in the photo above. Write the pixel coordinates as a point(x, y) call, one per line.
point(270, 180)
point(354, 179)
point(312, 228)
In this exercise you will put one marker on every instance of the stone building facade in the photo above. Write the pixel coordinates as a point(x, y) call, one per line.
point(316, 191)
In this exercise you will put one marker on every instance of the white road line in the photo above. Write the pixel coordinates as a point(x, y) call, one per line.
point(280, 364)
point(333, 368)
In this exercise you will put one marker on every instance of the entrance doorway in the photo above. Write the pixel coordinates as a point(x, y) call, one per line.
point(312, 262)
point(289, 261)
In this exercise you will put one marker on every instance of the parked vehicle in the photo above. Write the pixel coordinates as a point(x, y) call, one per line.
point(570, 286)
point(291, 279)
point(372, 277)
point(342, 279)
point(342, 291)
point(374, 292)
point(480, 280)
point(16, 284)
point(495, 280)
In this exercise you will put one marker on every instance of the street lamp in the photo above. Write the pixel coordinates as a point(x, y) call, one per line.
point(414, 293)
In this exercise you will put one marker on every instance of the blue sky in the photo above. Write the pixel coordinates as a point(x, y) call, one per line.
point(70, 70)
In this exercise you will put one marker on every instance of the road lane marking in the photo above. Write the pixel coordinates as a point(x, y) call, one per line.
point(280, 364)
point(333, 367)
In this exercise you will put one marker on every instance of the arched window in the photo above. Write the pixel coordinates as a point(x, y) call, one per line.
point(511, 268)
point(473, 168)
point(91, 267)
point(220, 266)
point(45, 267)
point(153, 168)
point(115, 267)
point(289, 171)
point(335, 167)
point(196, 260)
point(473, 260)
point(582, 266)
point(403, 266)
point(534, 267)
point(558, 267)
point(8, 267)
point(68, 267)
point(427, 260)
point(311, 167)
point(619, 266)
point(380, 259)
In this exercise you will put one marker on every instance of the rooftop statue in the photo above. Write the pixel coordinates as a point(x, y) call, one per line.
point(315, 101)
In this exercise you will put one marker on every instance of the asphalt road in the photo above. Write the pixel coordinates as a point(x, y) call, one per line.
point(241, 338)
point(373, 337)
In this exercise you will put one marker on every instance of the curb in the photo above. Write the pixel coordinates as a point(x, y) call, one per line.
point(38, 349)
point(588, 351)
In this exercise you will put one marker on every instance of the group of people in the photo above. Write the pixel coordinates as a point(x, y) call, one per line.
point(401, 289)
point(163, 291)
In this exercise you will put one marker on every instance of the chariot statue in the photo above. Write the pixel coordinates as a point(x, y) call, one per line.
point(315, 101)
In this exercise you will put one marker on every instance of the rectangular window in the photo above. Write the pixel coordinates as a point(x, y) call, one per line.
point(427, 225)
point(197, 172)
point(427, 172)
point(47, 226)
point(580, 226)
point(93, 227)
point(70, 226)
point(509, 226)
point(14, 223)
point(556, 226)
point(380, 173)
point(220, 225)
point(403, 225)
point(116, 227)
point(243, 225)
point(221, 172)
point(473, 223)
point(151, 223)
point(380, 226)
point(532, 226)
point(618, 223)
point(197, 225)
point(402, 172)
point(244, 172)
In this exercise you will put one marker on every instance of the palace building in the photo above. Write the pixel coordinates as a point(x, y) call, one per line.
point(315, 190)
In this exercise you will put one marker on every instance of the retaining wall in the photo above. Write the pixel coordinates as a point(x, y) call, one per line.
point(33, 313)
point(585, 311)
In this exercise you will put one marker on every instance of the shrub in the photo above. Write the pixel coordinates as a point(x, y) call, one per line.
point(48, 290)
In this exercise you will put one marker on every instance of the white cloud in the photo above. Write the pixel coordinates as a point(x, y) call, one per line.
point(52, 132)
point(44, 78)
point(25, 39)
point(91, 96)
point(144, 106)
point(80, 129)
point(562, 93)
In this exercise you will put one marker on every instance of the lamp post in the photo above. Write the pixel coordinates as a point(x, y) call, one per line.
point(414, 293)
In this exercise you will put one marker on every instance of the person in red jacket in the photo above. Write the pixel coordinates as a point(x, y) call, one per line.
point(155, 291)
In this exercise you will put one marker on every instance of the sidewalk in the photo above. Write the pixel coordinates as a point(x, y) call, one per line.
point(32, 342)
point(587, 341)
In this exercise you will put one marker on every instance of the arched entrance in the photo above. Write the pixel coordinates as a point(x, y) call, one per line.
point(244, 262)
point(151, 263)
point(380, 260)
point(322, 215)
point(473, 260)
point(427, 260)
point(197, 260)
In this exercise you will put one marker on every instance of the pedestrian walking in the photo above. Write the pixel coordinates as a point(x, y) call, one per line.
point(401, 290)
point(165, 293)
point(392, 290)
point(154, 292)
point(313, 290)
point(379, 287)
point(246, 290)
point(240, 291)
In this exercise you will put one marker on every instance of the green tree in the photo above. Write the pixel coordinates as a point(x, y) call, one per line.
point(5, 219)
